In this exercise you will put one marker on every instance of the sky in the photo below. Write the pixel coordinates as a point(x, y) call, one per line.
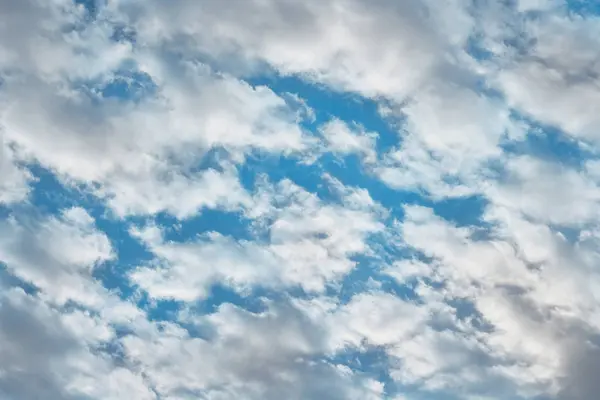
point(304, 200)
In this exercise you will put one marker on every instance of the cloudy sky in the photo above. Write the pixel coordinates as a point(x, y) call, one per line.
point(304, 200)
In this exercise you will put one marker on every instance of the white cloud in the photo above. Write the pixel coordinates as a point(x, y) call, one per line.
point(56, 254)
point(310, 244)
point(342, 139)
point(555, 80)
point(142, 156)
point(380, 318)
point(177, 194)
point(376, 48)
point(535, 290)
point(500, 311)
point(54, 343)
point(450, 133)
point(427, 345)
point(51, 354)
point(537, 188)
point(38, 42)
point(275, 354)
point(14, 186)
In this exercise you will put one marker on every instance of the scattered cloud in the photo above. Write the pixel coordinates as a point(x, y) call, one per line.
point(160, 125)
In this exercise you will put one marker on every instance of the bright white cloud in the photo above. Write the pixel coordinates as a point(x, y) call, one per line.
point(547, 191)
point(342, 139)
point(504, 308)
point(310, 245)
point(56, 254)
point(143, 156)
point(376, 48)
point(450, 133)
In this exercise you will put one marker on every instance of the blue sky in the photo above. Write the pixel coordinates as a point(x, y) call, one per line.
point(279, 199)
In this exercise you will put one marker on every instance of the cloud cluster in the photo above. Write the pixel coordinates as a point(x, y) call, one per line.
point(369, 284)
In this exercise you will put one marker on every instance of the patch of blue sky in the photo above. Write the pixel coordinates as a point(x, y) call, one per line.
point(91, 6)
point(50, 197)
point(228, 223)
point(584, 7)
point(467, 312)
point(367, 276)
point(328, 104)
point(347, 169)
point(372, 362)
point(220, 294)
point(5, 211)
point(253, 299)
point(160, 309)
point(462, 211)
point(127, 84)
point(278, 168)
point(370, 272)
point(122, 33)
point(478, 50)
point(549, 143)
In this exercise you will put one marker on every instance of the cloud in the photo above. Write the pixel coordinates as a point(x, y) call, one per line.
point(581, 370)
point(52, 354)
point(449, 135)
point(141, 156)
point(125, 154)
point(31, 28)
point(527, 283)
point(379, 48)
point(310, 244)
point(535, 188)
point(57, 254)
point(344, 140)
point(270, 355)
point(15, 179)
point(555, 80)
point(153, 112)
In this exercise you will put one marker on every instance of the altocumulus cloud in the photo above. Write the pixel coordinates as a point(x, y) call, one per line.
point(282, 199)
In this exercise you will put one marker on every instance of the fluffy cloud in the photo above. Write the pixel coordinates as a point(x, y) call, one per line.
point(56, 254)
point(274, 354)
point(376, 48)
point(124, 153)
point(15, 179)
point(57, 354)
point(342, 139)
point(142, 156)
point(310, 245)
point(526, 282)
point(556, 81)
point(152, 111)
point(536, 188)
point(450, 135)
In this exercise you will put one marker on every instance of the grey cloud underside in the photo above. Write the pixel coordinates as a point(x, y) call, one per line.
point(503, 307)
